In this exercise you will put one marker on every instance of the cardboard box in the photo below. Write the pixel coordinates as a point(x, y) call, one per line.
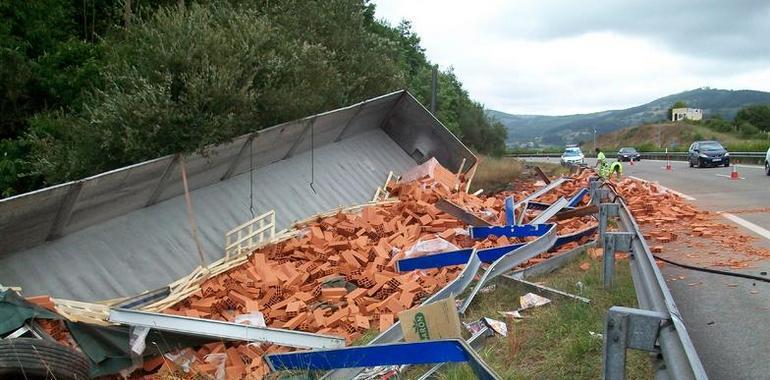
point(438, 320)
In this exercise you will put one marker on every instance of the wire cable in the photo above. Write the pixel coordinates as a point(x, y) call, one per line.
point(714, 271)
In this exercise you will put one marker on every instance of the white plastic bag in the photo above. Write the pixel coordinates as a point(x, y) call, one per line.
point(136, 339)
point(429, 247)
point(255, 318)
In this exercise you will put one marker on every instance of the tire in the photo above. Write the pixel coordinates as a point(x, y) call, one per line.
point(691, 164)
point(767, 168)
point(727, 164)
point(41, 359)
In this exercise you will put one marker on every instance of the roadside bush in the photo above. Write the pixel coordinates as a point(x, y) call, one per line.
point(747, 130)
point(757, 115)
point(183, 80)
point(719, 125)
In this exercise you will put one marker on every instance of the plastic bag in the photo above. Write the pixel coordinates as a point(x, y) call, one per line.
point(429, 247)
point(136, 339)
point(255, 318)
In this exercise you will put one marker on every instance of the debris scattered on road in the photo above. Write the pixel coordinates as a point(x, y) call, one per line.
point(498, 326)
point(488, 289)
point(512, 314)
point(531, 300)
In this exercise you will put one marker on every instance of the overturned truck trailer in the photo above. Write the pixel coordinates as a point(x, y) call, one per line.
point(126, 231)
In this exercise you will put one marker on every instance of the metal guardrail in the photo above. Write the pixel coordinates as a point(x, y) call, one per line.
point(745, 157)
point(678, 353)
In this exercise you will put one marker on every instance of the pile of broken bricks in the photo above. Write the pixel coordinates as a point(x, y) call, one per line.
point(337, 276)
point(665, 218)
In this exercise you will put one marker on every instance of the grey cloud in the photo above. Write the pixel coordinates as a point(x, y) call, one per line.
point(728, 29)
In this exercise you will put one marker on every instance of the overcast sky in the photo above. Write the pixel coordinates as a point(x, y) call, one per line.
point(561, 57)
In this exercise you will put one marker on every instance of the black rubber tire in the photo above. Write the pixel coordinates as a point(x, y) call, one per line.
point(767, 168)
point(41, 359)
point(727, 164)
point(691, 164)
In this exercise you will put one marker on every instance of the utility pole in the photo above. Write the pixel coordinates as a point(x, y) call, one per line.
point(433, 89)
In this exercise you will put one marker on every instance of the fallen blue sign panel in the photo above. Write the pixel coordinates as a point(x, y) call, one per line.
point(486, 255)
point(402, 353)
point(511, 231)
point(459, 257)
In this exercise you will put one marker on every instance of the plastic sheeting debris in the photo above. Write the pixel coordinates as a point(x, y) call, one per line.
point(255, 318)
point(498, 326)
point(429, 247)
point(531, 300)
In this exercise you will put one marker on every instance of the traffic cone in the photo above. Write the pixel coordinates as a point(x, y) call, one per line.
point(734, 173)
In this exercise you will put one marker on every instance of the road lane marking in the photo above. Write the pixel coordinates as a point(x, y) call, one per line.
point(748, 225)
point(682, 195)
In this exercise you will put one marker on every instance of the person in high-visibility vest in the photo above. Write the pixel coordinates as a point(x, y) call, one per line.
point(601, 163)
point(615, 169)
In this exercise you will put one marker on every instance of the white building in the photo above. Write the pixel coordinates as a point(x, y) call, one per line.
point(686, 114)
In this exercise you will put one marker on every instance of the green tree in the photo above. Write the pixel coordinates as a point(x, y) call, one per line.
point(677, 104)
point(756, 115)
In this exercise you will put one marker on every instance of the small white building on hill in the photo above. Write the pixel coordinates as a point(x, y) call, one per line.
point(678, 114)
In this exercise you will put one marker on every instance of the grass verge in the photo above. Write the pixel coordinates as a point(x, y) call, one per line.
point(496, 174)
point(554, 341)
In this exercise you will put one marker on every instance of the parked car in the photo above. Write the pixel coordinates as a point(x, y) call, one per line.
point(572, 156)
point(767, 162)
point(708, 153)
point(628, 153)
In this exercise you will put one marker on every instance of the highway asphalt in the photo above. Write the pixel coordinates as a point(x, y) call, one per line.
point(728, 318)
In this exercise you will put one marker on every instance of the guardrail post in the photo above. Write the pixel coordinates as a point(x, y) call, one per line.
point(606, 210)
point(628, 328)
point(593, 186)
point(614, 242)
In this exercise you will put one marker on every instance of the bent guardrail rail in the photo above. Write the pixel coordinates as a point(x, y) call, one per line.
point(678, 352)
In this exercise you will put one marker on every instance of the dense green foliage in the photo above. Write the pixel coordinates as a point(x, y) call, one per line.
point(83, 91)
point(678, 104)
point(756, 115)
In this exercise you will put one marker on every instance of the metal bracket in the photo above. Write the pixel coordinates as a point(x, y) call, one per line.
point(629, 328)
point(552, 210)
point(510, 211)
point(614, 242)
point(223, 330)
point(606, 210)
point(593, 186)
point(460, 214)
point(542, 288)
point(510, 261)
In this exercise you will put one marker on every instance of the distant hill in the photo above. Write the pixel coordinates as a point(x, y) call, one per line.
point(675, 136)
point(557, 130)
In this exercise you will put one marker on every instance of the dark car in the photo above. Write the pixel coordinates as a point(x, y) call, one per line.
point(628, 154)
point(708, 153)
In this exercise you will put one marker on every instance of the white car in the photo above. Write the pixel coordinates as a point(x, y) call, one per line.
point(572, 156)
point(767, 162)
